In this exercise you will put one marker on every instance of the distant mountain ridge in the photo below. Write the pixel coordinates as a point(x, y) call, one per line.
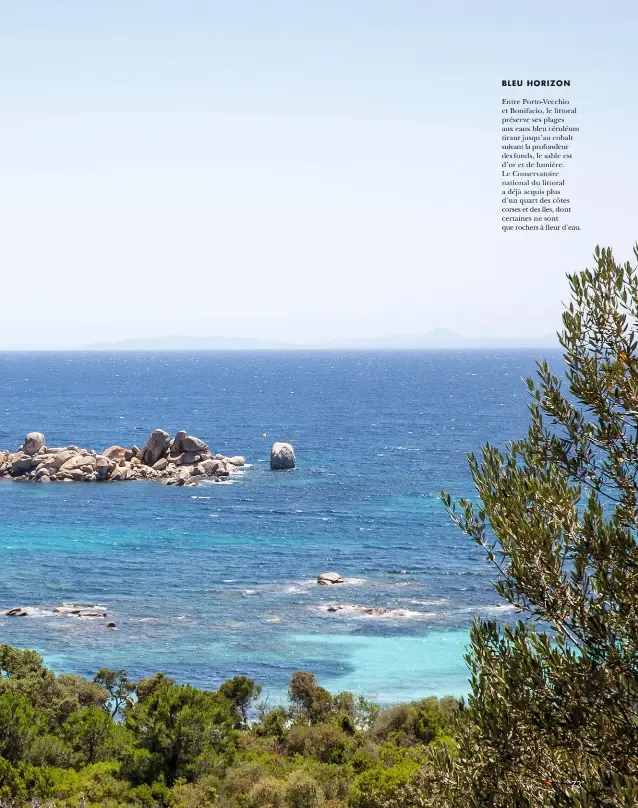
point(438, 339)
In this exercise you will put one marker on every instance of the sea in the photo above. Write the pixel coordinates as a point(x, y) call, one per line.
point(208, 582)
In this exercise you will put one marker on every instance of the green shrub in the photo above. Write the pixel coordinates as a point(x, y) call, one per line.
point(22, 781)
point(243, 776)
point(378, 786)
point(420, 721)
point(202, 794)
point(267, 793)
point(302, 791)
point(273, 724)
point(20, 725)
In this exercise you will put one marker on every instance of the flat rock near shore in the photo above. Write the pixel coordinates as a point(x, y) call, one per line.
point(181, 460)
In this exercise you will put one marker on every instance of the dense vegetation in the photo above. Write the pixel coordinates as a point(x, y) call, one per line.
point(68, 741)
point(552, 719)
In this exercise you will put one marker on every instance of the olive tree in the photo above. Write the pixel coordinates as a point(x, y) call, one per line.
point(552, 718)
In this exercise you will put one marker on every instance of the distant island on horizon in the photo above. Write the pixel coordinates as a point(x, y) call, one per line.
point(438, 339)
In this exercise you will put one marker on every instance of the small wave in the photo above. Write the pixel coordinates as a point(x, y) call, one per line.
point(249, 592)
point(365, 612)
point(497, 607)
point(429, 601)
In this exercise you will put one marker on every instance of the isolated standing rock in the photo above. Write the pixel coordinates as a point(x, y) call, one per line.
point(33, 442)
point(282, 456)
point(156, 446)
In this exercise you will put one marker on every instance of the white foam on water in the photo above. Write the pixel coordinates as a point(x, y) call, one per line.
point(360, 611)
point(429, 601)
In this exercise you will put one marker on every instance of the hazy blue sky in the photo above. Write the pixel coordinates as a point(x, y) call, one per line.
point(294, 169)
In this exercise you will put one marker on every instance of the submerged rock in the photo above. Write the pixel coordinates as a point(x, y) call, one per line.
point(17, 612)
point(282, 456)
point(79, 611)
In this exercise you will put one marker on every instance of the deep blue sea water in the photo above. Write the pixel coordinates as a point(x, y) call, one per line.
point(220, 579)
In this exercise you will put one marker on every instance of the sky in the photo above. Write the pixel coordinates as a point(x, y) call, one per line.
point(295, 170)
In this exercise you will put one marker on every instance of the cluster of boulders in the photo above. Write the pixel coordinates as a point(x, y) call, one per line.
point(181, 460)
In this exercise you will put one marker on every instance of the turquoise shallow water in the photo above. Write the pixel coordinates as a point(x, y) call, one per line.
point(211, 581)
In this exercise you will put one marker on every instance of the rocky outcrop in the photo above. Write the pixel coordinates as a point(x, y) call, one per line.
point(282, 456)
point(184, 460)
point(329, 578)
